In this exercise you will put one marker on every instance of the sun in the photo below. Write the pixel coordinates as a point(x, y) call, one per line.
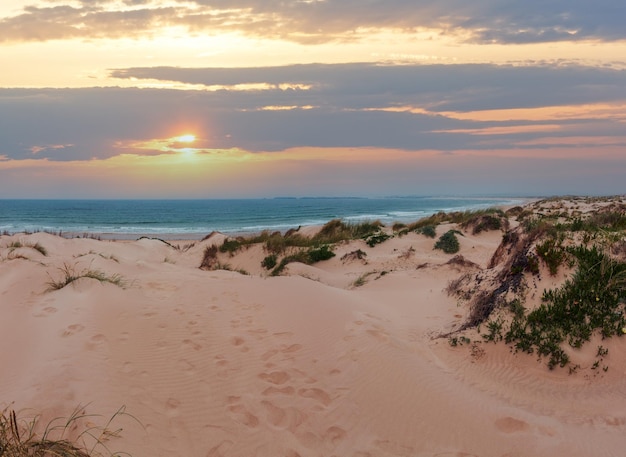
point(187, 138)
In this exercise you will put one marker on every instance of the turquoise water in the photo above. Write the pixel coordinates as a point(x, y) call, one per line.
point(190, 219)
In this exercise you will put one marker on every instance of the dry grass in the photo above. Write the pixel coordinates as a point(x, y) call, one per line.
point(36, 246)
point(18, 437)
point(70, 274)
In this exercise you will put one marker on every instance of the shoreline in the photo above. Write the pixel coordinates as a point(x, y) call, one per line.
point(191, 220)
point(198, 236)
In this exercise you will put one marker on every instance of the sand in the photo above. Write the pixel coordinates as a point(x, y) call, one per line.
point(219, 363)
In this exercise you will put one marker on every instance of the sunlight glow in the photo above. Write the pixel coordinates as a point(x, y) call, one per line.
point(187, 138)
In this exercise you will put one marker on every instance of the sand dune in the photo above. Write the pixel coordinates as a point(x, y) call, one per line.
point(218, 363)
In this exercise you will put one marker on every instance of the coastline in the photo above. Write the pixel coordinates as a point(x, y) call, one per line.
point(193, 219)
point(344, 356)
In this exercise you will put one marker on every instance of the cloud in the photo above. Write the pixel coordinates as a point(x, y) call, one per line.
point(460, 87)
point(408, 107)
point(480, 21)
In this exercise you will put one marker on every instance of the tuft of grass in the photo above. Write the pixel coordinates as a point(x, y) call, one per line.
point(552, 253)
point(361, 280)
point(19, 439)
point(36, 246)
point(70, 275)
point(354, 255)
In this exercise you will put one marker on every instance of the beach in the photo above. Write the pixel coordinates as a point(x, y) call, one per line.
point(360, 354)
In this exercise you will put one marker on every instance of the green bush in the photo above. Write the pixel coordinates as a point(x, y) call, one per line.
point(308, 257)
point(448, 242)
point(269, 262)
point(593, 300)
point(376, 238)
point(322, 253)
point(428, 230)
point(487, 222)
point(230, 246)
point(552, 253)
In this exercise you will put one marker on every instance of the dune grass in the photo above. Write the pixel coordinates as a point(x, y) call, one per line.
point(70, 274)
point(36, 246)
point(18, 437)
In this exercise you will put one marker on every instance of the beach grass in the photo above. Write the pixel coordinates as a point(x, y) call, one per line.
point(70, 274)
point(18, 437)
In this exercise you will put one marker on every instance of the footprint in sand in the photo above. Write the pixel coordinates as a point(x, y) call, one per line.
point(192, 344)
point(239, 342)
point(334, 435)
point(96, 341)
point(316, 394)
point(289, 418)
point(239, 413)
point(221, 450)
point(46, 311)
point(394, 448)
point(456, 454)
point(275, 377)
point(511, 425)
point(291, 348)
point(73, 329)
point(186, 366)
point(287, 390)
point(172, 404)
point(378, 333)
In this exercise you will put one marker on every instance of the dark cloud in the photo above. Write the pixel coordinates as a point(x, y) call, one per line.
point(485, 21)
point(347, 105)
point(463, 87)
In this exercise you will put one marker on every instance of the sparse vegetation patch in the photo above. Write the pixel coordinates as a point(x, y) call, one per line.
point(592, 301)
point(18, 437)
point(70, 274)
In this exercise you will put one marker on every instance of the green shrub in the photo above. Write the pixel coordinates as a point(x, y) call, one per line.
point(322, 253)
point(428, 230)
point(376, 238)
point(448, 242)
point(231, 246)
point(308, 256)
point(269, 262)
point(552, 253)
point(487, 222)
point(593, 300)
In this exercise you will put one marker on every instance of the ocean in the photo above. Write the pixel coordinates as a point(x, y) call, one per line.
point(193, 219)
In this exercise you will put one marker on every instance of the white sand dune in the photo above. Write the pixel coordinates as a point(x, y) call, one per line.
point(217, 363)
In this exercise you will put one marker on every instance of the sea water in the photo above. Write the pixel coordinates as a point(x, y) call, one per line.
point(192, 219)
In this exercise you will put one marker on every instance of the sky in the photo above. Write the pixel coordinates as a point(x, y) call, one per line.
point(265, 98)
